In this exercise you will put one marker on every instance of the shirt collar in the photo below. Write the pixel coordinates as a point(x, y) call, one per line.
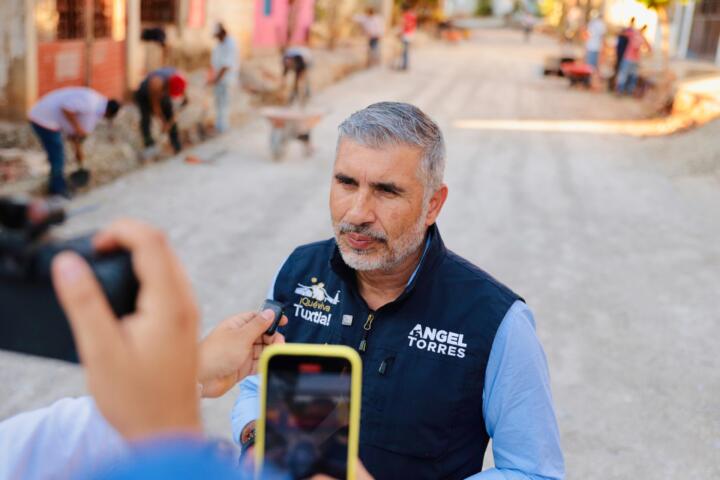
point(422, 258)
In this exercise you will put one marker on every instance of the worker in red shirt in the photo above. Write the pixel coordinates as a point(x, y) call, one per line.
point(409, 26)
point(628, 75)
point(159, 95)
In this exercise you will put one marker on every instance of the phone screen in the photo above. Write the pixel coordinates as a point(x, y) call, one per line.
point(307, 417)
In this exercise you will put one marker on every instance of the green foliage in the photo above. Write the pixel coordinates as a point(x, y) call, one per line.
point(658, 4)
point(419, 4)
point(484, 8)
point(551, 10)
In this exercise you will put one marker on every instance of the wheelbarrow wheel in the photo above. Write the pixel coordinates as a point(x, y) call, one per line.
point(278, 143)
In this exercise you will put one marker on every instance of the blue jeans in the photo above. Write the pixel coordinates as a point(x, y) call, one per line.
point(373, 51)
point(405, 54)
point(142, 99)
point(591, 58)
point(52, 142)
point(222, 107)
point(627, 77)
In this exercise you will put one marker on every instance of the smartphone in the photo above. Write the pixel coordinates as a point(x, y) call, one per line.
point(309, 419)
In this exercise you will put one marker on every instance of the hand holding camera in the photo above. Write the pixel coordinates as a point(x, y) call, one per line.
point(31, 320)
point(142, 372)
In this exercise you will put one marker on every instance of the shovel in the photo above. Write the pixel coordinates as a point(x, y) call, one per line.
point(80, 177)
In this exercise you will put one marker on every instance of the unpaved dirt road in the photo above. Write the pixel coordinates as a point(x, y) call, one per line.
point(613, 240)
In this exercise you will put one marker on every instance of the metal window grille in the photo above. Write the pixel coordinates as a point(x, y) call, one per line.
point(158, 11)
point(710, 7)
point(102, 22)
point(71, 24)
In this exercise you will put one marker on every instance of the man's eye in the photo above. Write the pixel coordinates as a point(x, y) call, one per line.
point(345, 181)
point(388, 192)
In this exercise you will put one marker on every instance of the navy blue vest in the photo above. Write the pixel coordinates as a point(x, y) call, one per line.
point(424, 359)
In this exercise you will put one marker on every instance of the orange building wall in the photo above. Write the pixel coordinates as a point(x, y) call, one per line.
point(63, 64)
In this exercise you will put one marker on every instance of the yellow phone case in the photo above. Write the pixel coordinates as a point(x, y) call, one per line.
point(301, 349)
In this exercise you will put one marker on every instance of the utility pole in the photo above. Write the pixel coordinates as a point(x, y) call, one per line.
point(89, 33)
point(133, 59)
point(386, 10)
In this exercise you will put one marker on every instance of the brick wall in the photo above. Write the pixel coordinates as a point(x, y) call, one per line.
point(60, 64)
point(108, 68)
point(63, 64)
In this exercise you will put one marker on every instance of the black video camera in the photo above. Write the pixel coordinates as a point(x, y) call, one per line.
point(31, 320)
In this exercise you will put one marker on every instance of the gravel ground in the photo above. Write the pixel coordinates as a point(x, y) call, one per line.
point(612, 239)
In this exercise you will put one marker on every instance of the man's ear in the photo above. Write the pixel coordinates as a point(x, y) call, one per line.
point(436, 203)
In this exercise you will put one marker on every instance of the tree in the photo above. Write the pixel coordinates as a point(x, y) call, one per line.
point(661, 7)
point(664, 90)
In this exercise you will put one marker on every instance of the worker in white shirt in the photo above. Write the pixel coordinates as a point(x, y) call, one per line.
point(373, 26)
point(595, 34)
point(73, 112)
point(298, 60)
point(225, 65)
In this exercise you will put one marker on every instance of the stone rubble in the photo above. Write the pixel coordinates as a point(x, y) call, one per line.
point(114, 150)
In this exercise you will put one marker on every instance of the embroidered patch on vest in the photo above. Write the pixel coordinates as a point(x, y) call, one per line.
point(442, 342)
point(315, 304)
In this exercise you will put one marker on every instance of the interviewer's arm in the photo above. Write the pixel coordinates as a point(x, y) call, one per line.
point(68, 437)
point(247, 406)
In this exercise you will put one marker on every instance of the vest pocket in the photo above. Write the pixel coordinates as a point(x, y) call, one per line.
point(411, 401)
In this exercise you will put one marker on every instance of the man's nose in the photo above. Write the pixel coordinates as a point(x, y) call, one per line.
point(362, 210)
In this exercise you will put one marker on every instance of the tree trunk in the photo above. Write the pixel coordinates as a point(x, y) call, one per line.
point(662, 97)
point(665, 31)
point(332, 24)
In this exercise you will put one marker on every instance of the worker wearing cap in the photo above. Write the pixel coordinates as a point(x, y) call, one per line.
point(155, 97)
point(72, 112)
point(298, 60)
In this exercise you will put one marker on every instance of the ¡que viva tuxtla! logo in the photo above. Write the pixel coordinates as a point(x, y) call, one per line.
point(315, 302)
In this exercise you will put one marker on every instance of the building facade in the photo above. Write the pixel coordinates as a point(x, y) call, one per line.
point(49, 44)
point(696, 27)
point(282, 22)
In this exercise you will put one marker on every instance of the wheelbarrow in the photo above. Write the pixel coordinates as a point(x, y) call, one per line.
point(290, 124)
point(578, 73)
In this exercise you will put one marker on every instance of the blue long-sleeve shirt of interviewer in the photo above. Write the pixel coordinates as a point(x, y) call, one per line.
point(517, 404)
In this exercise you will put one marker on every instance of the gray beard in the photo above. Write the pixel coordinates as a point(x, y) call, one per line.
point(401, 249)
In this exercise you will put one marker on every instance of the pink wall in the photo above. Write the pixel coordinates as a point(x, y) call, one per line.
point(271, 31)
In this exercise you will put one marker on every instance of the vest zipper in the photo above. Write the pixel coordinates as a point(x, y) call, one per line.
point(366, 332)
point(385, 365)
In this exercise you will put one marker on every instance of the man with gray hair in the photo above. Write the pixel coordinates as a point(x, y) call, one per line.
point(450, 355)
